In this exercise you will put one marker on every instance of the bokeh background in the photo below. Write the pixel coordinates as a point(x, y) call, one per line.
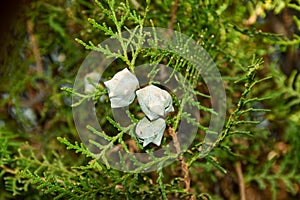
point(39, 56)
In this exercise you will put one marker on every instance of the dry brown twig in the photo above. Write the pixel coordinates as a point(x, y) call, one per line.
point(173, 14)
point(9, 170)
point(238, 169)
point(35, 48)
point(185, 170)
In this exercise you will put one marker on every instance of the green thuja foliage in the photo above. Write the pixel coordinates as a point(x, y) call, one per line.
point(180, 186)
point(9, 146)
point(279, 171)
point(255, 153)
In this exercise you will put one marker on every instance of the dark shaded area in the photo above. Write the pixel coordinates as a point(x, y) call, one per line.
point(11, 12)
point(34, 107)
point(284, 24)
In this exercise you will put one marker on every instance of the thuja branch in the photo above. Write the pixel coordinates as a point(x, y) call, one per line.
point(250, 81)
point(132, 44)
point(105, 148)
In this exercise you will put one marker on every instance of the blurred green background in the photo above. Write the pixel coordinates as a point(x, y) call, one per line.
point(39, 56)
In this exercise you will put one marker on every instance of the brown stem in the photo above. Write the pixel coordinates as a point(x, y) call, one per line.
point(35, 48)
point(173, 14)
point(8, 169)
point(239, 172)
point(185, 170)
